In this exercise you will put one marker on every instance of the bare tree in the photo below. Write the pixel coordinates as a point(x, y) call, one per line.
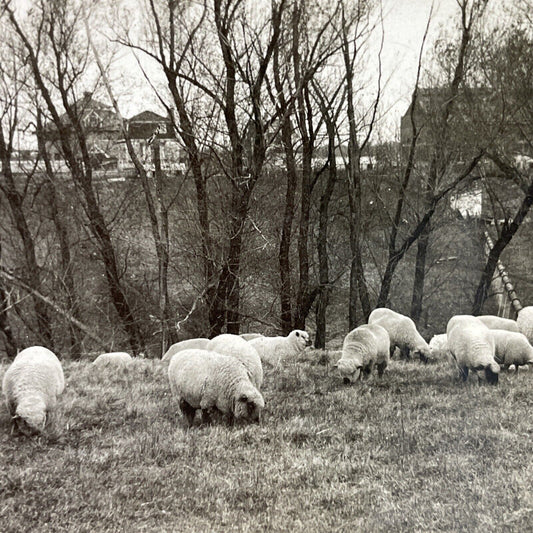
point(508, 72)
point(12, 83)
point(57, 57)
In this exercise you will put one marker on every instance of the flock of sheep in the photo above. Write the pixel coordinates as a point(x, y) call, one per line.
point(224, 375)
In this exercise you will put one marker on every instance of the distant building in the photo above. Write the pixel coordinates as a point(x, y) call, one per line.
point(142, 129)
point(105, 140)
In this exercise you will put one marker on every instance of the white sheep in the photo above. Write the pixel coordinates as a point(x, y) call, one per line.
point(402, 332)
point(512, 348)
point(471, 344)
point(364, 347)
point(273, 350)
point(525, 322)
point(119, 359)
point(250, 336)
point(498, 322)
point(213, 382)
point(190, 344)
point(438, 344)
point(234, 345)
point(31, 386)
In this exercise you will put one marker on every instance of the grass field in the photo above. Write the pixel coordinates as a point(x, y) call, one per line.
point(415, 451)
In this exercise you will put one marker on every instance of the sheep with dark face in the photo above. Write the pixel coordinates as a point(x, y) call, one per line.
point(402, 333)
point(364, 347)
point(472, 346)
point(190, 344)
point(274, 350)
point(213, 382)
point(31, 386)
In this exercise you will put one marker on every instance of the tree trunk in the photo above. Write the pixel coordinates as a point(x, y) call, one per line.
point(503, 240)
point(10, 344)
point(419, 278)
point(286, 316)
point(33, 271)
point(322, 241)
point(67, 275)
point(165, 314)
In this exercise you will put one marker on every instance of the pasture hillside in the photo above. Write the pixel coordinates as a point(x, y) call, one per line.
point(415, 451)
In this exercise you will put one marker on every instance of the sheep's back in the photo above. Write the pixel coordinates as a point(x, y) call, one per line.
point(498, 322)
point(235, 346)
point(472, 345)
point(361, 345)
point(35, 371)
point(189, 344)
point(512, 348)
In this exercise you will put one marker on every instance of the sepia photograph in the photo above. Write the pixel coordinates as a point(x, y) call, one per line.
point(266, 266)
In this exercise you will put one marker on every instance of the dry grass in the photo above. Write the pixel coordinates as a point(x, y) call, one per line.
point(416, 451)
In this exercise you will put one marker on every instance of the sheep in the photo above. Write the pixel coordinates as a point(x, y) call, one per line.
point(498, 322)
point(250, 336)
point(213, 382)
point(438, 345)
point(237, 347)
point(121, 359)
point(364, 347)
point(273, 350)
point(512, 348)
point(472, 346)
point(31, 386)
point(525, 322)
point(189, 344)
point(402, 332)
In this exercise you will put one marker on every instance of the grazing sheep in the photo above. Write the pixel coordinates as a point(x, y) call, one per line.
point(471, 344)
point(273, 350)
point(402, 332)
point(237, 347)
point(190, 344)
point(498, 322)
point(364, 347)
point(31, 385)
point(525, 322)
point(512, 348)
point(438, 345)
point(211, 381)
point(250, 336)
point(121, 359)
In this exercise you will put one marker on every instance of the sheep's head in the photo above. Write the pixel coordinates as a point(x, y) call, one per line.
point(248, 405)
point(491, 373)
point(423, 352)
point(300, 338)
point(349, 370)
point(30, 418)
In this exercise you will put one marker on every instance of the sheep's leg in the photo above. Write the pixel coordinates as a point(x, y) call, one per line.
point(381, 368)
point(404, 353)
point(464, 372)
point(367, 370)
point(188, 411)
point(206, 416)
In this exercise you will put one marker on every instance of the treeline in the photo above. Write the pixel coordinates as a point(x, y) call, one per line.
point(274, 214)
